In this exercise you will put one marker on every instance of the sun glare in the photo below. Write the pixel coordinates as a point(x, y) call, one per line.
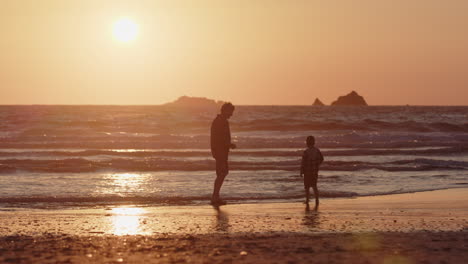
point(128, 221)
point(125, 30)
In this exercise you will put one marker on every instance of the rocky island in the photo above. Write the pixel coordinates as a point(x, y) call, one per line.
point(194, 102)
point(351, 99)
point(317, 102)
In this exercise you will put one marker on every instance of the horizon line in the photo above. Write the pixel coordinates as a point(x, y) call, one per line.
point(234, 104)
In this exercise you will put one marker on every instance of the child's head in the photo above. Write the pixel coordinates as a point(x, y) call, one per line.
point(310, 141)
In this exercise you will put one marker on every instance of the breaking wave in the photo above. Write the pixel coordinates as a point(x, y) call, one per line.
point(165, 164)
point(158, 200)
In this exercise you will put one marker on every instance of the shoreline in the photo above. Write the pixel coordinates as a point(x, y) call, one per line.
point(441, 210)
point(54, 203)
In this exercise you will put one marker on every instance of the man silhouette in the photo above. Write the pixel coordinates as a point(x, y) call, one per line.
point(220, 145)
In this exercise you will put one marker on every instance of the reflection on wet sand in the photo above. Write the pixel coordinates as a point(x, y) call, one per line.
point(221, 220)
point(311, 218)
point(128, 221)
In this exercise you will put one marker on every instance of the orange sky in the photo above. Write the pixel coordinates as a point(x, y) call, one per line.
point(245, 51)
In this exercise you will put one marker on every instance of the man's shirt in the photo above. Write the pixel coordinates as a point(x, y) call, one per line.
point(220, 137)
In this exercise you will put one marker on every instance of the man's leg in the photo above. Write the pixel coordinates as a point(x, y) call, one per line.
point(221, 173)
point(217, 185)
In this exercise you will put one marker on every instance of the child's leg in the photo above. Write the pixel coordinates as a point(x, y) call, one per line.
point(316, 194)
point(307, 193)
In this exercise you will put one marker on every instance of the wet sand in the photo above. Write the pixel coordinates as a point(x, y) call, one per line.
point(421, 227)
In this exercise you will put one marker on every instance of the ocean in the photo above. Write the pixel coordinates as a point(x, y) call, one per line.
point(98, 155)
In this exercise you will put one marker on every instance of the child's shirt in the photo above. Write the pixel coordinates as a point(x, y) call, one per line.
point(311, 160)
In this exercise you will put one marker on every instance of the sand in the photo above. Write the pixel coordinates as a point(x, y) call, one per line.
point(424, 227)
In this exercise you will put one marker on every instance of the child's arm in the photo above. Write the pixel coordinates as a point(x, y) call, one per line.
point(320, 157)
point(303, 163)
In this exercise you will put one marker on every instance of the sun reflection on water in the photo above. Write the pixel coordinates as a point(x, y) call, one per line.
point(128, 221)
point(126, 179)
point(123, 183)
point(128, 150)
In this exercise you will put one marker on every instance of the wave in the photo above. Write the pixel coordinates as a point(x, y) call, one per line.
point(399, 165)
point(117, 153)
point(46, 201)
point(136, 131)
point(270, 140)
point(142, 153)
point(447, 163)
point(363, 125)
point(396, 151)
point(165, 164)
point(161, 200)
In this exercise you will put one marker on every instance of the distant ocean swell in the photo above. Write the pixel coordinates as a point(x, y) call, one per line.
point(460, 149)
point(295, 139)
point(21, 137)
point(130, 127)
point(365, 125)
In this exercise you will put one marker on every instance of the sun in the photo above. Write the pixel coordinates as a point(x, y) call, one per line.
point(125, 30)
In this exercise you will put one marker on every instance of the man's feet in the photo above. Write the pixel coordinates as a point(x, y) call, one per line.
point(217, 202)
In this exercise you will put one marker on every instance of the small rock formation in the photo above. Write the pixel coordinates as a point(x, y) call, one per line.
point(317, 102)
point(194, 102)
point(352, 98)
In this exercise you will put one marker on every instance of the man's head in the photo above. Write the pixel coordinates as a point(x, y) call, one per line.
point(226, 110)
point(310, 141)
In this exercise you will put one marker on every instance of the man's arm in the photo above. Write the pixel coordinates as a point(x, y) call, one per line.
point(228, 130)
point(214, 135)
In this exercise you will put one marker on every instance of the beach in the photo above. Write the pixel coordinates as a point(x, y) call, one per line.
point(423, 227)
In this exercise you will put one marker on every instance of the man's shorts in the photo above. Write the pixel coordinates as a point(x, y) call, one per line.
point(310, 180)
point(222, 168)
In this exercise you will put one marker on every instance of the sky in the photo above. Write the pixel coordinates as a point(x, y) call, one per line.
point(254, 52)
